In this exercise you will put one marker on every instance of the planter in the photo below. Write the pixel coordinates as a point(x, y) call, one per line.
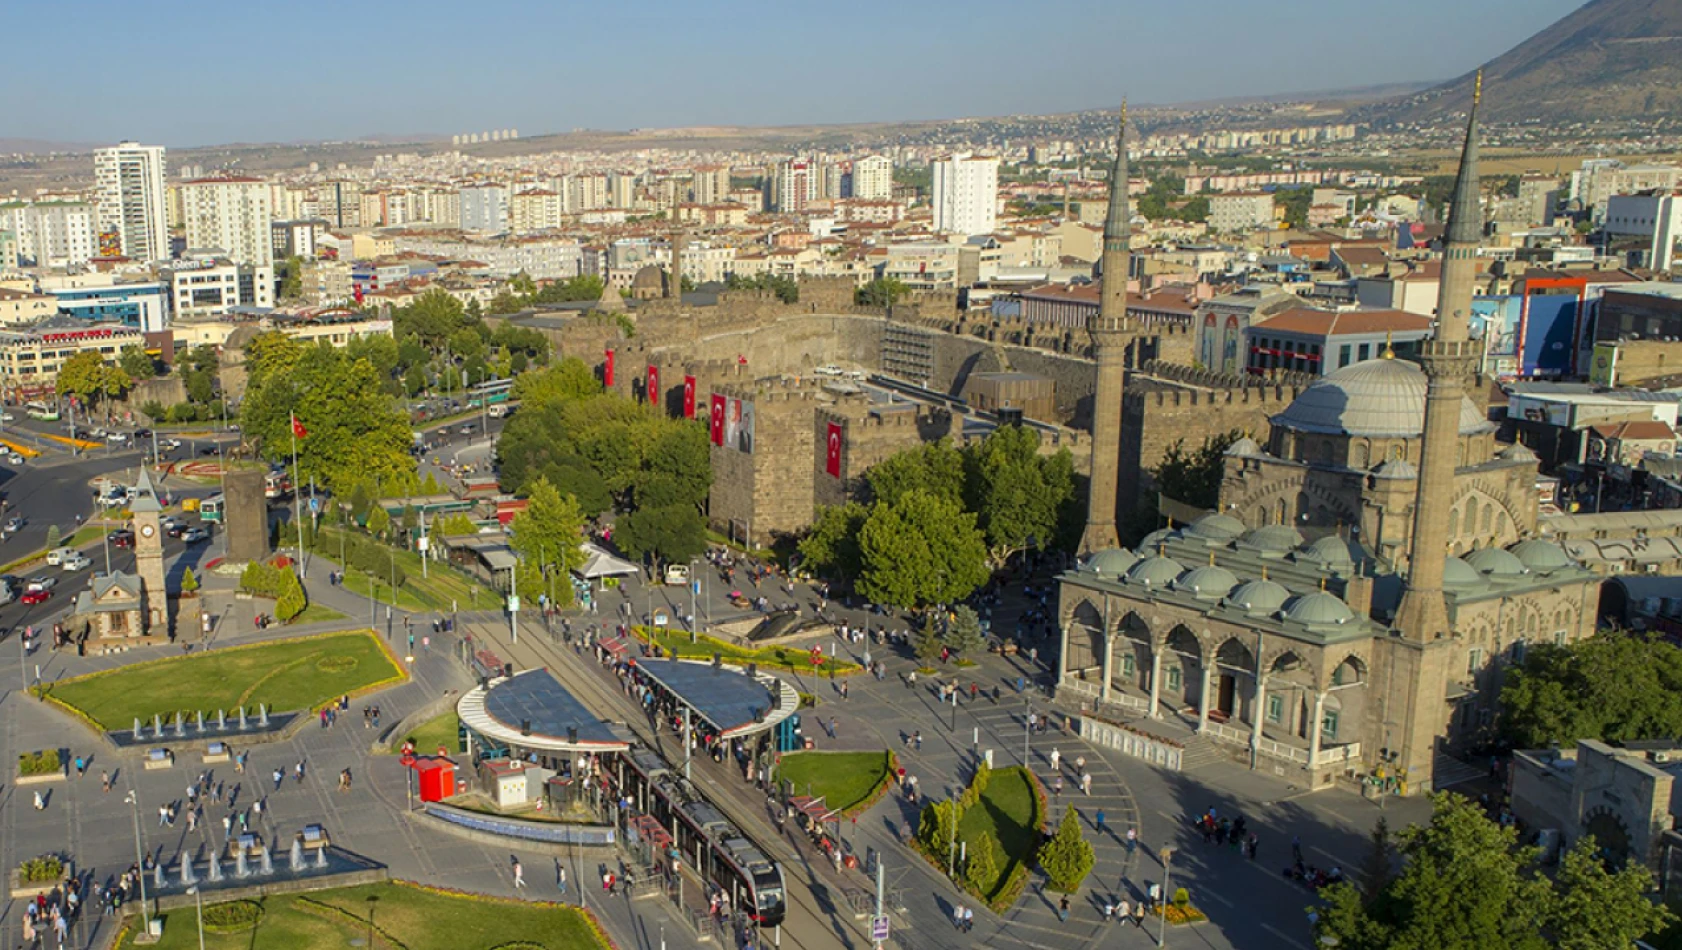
point(59, 776)
point(22, 891)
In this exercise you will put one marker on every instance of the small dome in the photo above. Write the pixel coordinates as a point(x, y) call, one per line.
point(1397, 469)
point(1330, 550)
point(1221, 528)
point(1207, 583)
point(1244, 446)
point(1319, 609)
point(648, 277)
point(1155, 572)
point(1159, 536)
point(1458, 575)
point(1382, 397)
point(1496, 562)
point(1272, 539)
point(1543, 557)
point(1517, 452)
point(1112, 562)
point(1258, 598)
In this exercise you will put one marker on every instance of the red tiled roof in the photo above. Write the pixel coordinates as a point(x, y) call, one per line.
point(1332, 323)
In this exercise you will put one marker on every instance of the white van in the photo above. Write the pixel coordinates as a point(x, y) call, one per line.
point(57, 556)
point(677, 574)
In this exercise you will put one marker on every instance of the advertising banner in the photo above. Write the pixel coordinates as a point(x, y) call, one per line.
point(1603, 367)
point(744, 428)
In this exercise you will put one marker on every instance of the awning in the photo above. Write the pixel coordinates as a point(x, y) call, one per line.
point(815, 809)
point(599, 563)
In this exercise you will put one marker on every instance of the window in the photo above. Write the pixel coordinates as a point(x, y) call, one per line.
point(1337, 676)
point(1275, 708)
point(1128, 665)
point(1474, 660)
point(1364, 352)
point(1518, 650)
point(1328, 724)
point(1174, 681)
point(1559, 638)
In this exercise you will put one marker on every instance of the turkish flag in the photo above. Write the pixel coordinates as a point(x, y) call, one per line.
point(832, 455)
point(298, 428)
point(607, 371)
point(689, 397)
point(718, 419)
point(653, 383)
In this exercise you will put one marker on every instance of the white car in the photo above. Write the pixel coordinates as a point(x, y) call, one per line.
point(116, 437)
point(75, 563)
point(43, 582)
point(172, 443)
point(7, 417)
point(15, 459)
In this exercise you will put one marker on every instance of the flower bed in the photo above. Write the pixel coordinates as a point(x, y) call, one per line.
point(232, 917)
point(1181, 914)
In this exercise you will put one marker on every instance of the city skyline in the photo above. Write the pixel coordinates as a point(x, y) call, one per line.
point(414, 78)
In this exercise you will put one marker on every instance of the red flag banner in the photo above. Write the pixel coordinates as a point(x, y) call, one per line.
point(689, 397)
point(718, 419)
point(607, 371)
point(653, 383)
point(832, 452)
point(298, 428)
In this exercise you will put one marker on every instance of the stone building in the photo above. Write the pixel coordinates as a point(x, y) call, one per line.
point(124, 610)
point(1293, 627)
point(1624, 797)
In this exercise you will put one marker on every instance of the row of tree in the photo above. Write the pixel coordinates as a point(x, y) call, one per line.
point(939, 518)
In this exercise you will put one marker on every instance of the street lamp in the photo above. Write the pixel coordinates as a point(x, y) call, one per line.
point(133, 801)
point(198, 904)
point(1167, 856)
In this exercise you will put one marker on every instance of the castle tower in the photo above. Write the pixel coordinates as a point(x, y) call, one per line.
point(149, 557)
point(1110, 332)
point(674, 283)
point(1449, 359)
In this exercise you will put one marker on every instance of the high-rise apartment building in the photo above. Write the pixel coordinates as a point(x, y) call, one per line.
point(796, 184)
point(129, 179)
point(50, 233)
point(622, 190)
point(484, 208)
point(589, 192)
point(966, 193)
point(536, 210)
point(873, 178)
point(712, 184)
point(232, 215)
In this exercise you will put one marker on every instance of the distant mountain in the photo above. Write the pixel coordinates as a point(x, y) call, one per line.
point(1608, 60)
point(9, 146)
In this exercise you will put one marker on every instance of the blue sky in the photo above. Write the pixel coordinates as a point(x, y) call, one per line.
point(191, 73)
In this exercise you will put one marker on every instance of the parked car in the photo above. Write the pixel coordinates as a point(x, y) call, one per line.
point(195, 535)
point(122, 538)
point(15, 459)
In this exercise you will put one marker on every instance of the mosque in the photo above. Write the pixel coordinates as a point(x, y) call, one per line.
point(1371, 570)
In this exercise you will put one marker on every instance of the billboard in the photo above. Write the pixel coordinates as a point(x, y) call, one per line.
point(1533, 333)
point(738, 425)
point(689, 397)
point(1603, 366)
point(717, 420)
point(1529, 409)
point(832, 450)
point(110, 244)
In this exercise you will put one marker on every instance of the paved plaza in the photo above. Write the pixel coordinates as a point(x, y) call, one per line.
point(1250, 904)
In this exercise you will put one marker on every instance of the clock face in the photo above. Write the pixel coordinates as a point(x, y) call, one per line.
point(147, 530)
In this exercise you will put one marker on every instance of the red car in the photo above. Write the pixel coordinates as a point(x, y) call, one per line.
point(35, 596)
point(122, 538)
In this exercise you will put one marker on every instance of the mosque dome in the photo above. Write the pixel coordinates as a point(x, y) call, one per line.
point(1495, 561)
point(1155, 538)
point(649, 279)
point(1111, 562)
point(1543, 557)
point(1400, 469)
point(1258, 598)
point(1377, 398)
point(1331, 551)
point(1318, 609)
point(1155, 572)
point(1207, 583)
point(1272, 539)
point(1458, 575)
point(1220, 528)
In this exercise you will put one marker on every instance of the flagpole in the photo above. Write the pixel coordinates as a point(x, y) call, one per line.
point(297, 514)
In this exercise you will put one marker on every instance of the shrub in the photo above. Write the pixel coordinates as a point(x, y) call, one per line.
point(291, 601)
point(42, 870)
point(232, 917)
point(982, 872)
point(39, 763)
point(1182, 897)
point(189, 581)
point(934, 828)
point(1067, 858)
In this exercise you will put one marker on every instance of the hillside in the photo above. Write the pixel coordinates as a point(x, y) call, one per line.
point(1609, 60)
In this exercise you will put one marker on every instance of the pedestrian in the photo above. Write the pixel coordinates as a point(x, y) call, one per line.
point(1086, 783)
point(1139, 915)
point(227, 826)
point(1063, 907)
point(81, 766)
point(298, 771)
point(1056, 756)
point(560, 876)
point(163, 814)
point(105, 781)
point(917, 740)
point(1109, 912)
point(958, 916)
point(969, 919)
point(1155, 894)
point(1098, 821)
point(40, 803)
point(1250, 846)
point(1057, 786)
point(519, 875)
point(1296, 849)
point(1124, 911)
point(279, 777)
point(1132, 839)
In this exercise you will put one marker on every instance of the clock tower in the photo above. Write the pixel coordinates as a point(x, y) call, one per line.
point(149, 557)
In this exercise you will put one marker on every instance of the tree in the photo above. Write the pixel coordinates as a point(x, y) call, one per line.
point(291, 601)
point(1616, 687)
point(1195, 477)
point(881, 292)
point(291, 278)
point(1067, 858)
point(963, 632)
point(136, 362)
point(937, 468)
point(1018, 494)
point(982, 871)
point(1293, 204)
point(1596, 909)
point(52, 536)
point(927, 642)
point(549, 533)
point(189, 581)
point(455, 525)
point(922, 549)
point(430, 486)
point(565, 381)
point(379, 521)
point(672, 534)
point(935, 826)
point(1376, 866)
point(87, 377)
point(831, 545)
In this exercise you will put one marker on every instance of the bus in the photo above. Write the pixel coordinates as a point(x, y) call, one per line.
point(46, 412)
point(489, 394)
point(210, 509)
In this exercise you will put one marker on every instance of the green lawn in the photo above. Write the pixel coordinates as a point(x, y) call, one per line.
point(285, 675)
point(844, 779)
point(1006, 818)
point(445, 730)
point(315, 613)
point(677, 643)
point(414, 918)
point(441, 588)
